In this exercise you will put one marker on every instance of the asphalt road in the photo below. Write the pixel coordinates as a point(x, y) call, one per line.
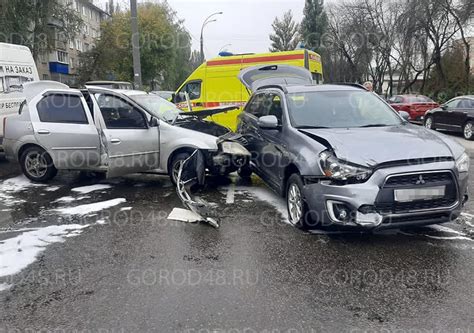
point(107, 259)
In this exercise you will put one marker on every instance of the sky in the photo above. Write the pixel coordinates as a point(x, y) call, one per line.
point(245, 24)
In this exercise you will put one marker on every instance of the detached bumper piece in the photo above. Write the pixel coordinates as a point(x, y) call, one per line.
point(191, 172)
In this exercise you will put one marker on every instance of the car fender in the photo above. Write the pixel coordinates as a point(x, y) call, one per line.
point(173, 138)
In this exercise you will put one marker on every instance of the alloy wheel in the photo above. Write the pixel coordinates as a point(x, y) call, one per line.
point(36, 164)
point(295, 203)
point(468, 130)
point(429, 123)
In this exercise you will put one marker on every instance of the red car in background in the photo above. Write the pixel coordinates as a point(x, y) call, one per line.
point(415, 105)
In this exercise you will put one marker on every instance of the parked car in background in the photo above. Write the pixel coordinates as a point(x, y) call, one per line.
point(456, 115)
point(116, 132)
point(123, 85)
point(16, 68)
point(415, 105)
point(341, 156)
point(164, 94)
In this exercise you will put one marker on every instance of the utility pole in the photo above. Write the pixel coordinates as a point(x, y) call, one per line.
point(137, 67)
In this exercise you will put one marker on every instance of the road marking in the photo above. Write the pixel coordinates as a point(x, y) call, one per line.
point(230, 194)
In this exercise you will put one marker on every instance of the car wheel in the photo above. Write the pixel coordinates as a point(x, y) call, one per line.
point(37, 165)
point(298, 212)
point(175, 165)
point(245, 171)
point(468, 130)
point(429, 123)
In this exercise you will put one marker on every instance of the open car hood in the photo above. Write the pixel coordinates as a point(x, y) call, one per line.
point(258, 76)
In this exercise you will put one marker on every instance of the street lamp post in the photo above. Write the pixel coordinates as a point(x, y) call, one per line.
point(137, 67)
point(206, 21)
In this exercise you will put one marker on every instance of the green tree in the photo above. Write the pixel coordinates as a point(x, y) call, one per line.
point(285, 36)
point(314, 24)
point(165, 48)
point(38, 24)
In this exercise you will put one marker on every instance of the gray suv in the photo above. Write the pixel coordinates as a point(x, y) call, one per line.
point(340, 155)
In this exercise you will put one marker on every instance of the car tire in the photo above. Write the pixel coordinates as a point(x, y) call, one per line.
point(468, 130)
point(429, 123)
point(174, 165)
point(37, 165)
point(245, 171)
point(298, 212)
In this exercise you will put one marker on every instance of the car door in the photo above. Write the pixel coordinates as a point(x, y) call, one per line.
point(274, 157)
point(63, 125)
point(131, 144)
point(446, 118)
point(250, 130)
point(463, 112)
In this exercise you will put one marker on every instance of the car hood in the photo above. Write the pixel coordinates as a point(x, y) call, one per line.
point(374, 146)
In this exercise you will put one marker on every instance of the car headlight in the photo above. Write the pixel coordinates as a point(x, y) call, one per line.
point(234, 148)
point(462, 163)
point(340, 170)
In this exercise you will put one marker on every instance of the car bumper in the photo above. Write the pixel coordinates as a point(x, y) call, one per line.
point(363, 200)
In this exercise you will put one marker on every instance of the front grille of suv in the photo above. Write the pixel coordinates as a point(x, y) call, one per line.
point(386, 204)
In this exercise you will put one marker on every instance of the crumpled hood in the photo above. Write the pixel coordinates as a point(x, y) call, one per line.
point(373, 146)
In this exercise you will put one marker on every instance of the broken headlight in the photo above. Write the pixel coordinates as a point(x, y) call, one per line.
point(339, 170)
point(234, 148)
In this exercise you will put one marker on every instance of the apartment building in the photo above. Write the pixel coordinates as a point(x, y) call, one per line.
point(61, 64)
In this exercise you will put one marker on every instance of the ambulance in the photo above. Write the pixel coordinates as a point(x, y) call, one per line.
point(16, 68)
point(215, 83)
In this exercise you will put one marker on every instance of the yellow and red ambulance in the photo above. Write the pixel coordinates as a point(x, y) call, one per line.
point(215, 83)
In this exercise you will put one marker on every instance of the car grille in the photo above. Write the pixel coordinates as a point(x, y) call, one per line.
point(386, 204)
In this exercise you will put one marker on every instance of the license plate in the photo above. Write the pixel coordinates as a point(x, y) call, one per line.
point(419, 194)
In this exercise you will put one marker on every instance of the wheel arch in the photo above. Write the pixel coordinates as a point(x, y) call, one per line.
point(289, 170)
point(29, 145)
point(180, 150)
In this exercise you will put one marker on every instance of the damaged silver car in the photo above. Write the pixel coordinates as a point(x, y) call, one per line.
point(116, 132)
point(343, 157)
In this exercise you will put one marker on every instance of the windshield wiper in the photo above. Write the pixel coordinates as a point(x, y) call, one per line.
point(311, 127)
point(374, 125)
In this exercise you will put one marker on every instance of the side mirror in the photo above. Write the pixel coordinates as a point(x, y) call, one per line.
point(405, 115)
point(268, 122)
point(173, 98)
point(154, 122)
point(444, 107)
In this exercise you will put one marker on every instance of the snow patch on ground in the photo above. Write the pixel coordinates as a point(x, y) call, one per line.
point(91, 188)
point(124, 209)
point(4, 286)
point(70, 199)
point(90, 208)
point(18, 252)
point(12, 186)
point(52, 189)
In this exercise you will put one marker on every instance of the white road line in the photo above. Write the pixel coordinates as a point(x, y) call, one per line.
point(230, 194)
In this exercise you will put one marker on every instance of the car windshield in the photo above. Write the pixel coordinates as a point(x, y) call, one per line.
point(419, 99)
point(157, 106)
point(340, 109)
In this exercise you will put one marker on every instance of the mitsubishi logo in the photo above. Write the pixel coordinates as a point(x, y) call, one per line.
point(420, 181)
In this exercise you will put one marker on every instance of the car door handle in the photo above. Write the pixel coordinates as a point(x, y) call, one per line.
point(44, 132)
point(116, 141)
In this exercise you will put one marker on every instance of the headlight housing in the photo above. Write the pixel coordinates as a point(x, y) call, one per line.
point(234, 148)
point(343, 171)
point(463, 162)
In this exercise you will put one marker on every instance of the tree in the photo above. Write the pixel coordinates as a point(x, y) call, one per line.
point(314, 24)
point(285, 36)
point(165, 48)
point(38, 24)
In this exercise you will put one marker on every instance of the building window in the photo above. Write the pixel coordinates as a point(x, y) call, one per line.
point(45, 77)
point(79, 45)
point(71, 62)
point(71, 44)
point(63, 57)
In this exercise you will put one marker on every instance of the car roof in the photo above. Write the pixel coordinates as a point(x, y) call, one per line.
point(323, 87)
point(108, 82)
point(121, 91)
